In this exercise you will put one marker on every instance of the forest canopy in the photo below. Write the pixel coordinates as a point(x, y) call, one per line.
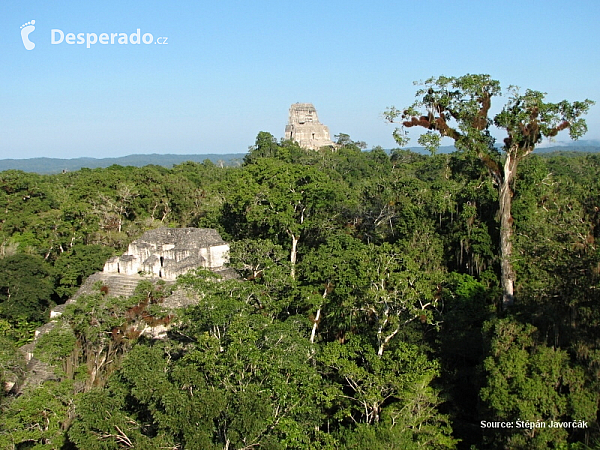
point(370, 310)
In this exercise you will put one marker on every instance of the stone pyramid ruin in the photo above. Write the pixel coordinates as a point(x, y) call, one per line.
point(304, 127)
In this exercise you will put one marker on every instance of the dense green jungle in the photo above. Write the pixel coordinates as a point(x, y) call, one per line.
point(370, 311)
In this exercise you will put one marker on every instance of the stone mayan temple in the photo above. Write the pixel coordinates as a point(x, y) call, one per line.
point(304, 127)
point(168, 252)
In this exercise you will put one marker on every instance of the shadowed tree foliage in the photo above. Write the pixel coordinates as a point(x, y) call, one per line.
point(25, 288)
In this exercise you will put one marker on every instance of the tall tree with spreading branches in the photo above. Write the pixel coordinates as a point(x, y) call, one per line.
point(459, 107)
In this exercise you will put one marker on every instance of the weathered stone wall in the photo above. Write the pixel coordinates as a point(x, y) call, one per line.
point(169, 252)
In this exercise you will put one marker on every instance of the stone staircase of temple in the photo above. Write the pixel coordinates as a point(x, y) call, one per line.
point(120, 285)
point(117, 285)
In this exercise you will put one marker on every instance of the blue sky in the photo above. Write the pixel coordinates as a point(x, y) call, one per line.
point(231, 69)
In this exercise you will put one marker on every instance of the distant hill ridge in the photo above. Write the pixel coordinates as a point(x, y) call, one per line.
point(585, 146)
point(57, 165)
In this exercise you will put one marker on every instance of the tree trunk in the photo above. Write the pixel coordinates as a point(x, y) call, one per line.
point(315, 325)
point(293, 254)
point(318, 315)
point(506, 230)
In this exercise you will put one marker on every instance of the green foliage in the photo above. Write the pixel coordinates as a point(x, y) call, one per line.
point(392, 393)
point(12, 365)
point(266, 146)
point(379, 289)
point(343, 140)
point(532, 382)
point(25, 288)
point(56, 345)
point(38, 419)
point(254, 258)
point(528, 118)
point(366, 281)
point(107, 327)
point(244, 381)
point(74, 266)
point(267, 267)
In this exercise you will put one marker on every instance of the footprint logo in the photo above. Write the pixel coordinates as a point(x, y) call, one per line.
point(26, 30)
